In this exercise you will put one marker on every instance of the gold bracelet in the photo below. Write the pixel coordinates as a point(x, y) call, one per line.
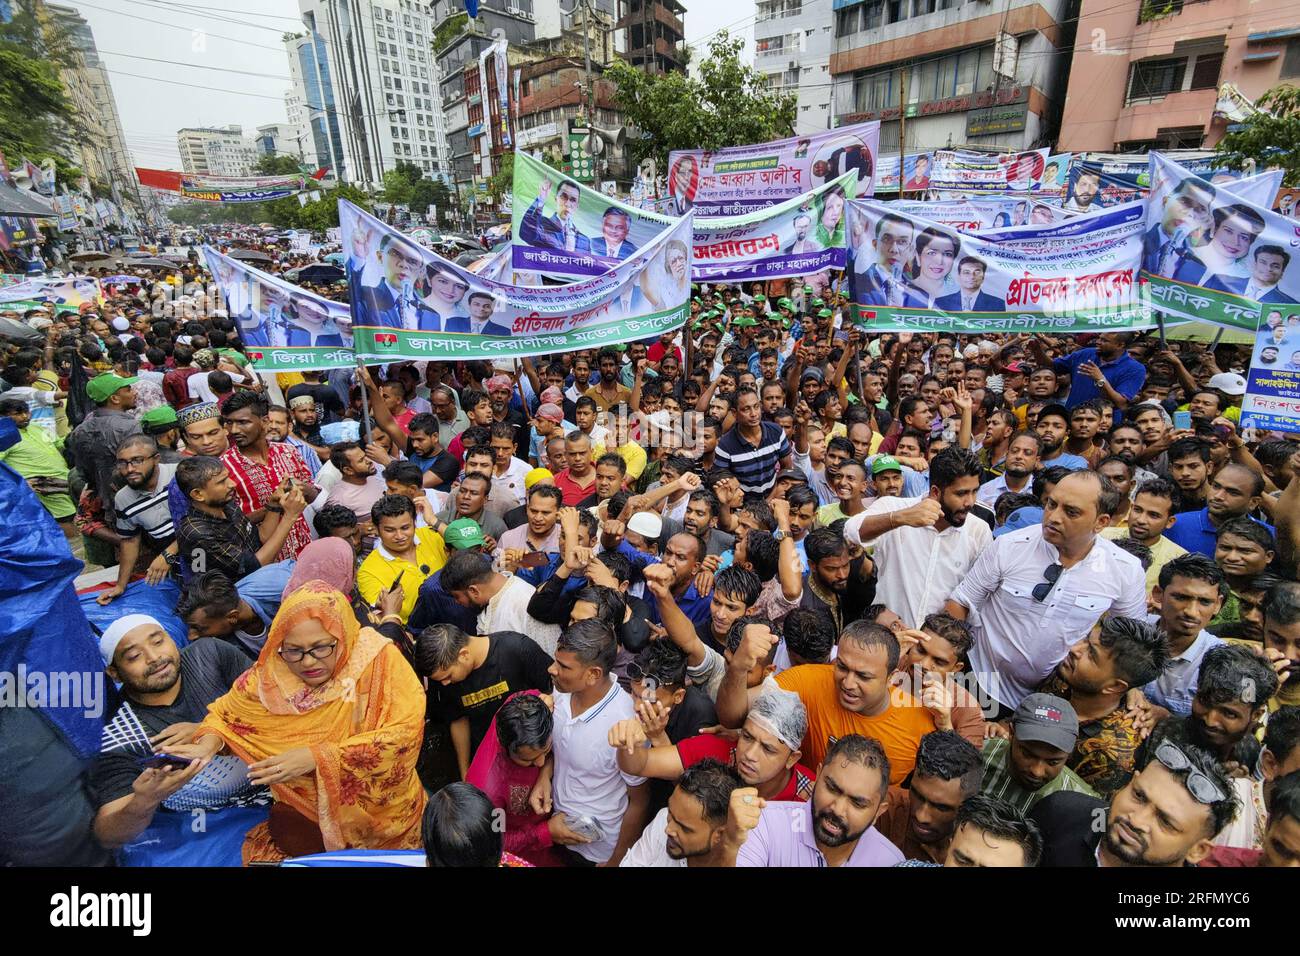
point(397, 618)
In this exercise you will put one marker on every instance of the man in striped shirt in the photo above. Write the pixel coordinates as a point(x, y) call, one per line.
point(754, 450)
point(1029, 764)
point(142, 521)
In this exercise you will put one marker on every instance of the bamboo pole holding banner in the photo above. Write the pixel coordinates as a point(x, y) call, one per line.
point(365, 401)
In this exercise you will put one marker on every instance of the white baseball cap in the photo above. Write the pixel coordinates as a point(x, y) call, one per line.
point(1229, 383)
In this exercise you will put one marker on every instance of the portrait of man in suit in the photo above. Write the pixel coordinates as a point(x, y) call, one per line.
point(559, 231)
point(1269, 265)
point(1183, 214)
point(970, 277)
point(1224, 257)
point(612, 242)
point(802, 226)
point(879, 278)
point(479, 321)
point(391, 302)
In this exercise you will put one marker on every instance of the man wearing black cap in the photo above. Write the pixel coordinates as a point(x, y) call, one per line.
point(1029, 763)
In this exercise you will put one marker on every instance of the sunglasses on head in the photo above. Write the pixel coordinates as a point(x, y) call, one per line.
point(1203, 788)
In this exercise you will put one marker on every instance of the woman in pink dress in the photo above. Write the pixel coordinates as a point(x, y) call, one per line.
point(506, 766)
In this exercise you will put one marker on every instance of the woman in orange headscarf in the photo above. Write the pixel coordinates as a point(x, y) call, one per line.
point(331, 717)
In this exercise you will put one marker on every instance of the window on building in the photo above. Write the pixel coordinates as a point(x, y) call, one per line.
point(397, 84)
point(847, 22)
point(388, 84)
point(873, 14)
point(895, 10)
point(1205, 74)
point(1156, 78)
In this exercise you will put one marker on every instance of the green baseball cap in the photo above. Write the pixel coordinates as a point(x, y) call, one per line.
point(825, 314)
point(784, 303)
point(760, 298)
point(807, 290)
point(101, 387)
point(162, 415)
point(817, 303)
point(745, 322)
point(464, 533)
point(885, 463)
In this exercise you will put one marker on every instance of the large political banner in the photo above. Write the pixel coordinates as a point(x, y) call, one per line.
point(1211, 256)
point(1078, 276)
point(916, 173)
point(966, 171)
point(284, 328)
point(561, 227)
point(974, 215)
point(410, 303)
point(70, 291)
point(1272, 399)
point(221, 189)
point(742, 179)
point(1094, 183)
point(798, 237)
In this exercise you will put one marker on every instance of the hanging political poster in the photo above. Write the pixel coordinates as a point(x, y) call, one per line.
point(1076, 276)
point(990, 212)
point(284, 328)
point(915, 165)
point(742, 179)
point(586, 233)
point(1211, 256)
point(221, 189)
point(798, 237)
point(71, 291)
point(967, 171)
point(1272, 400)
point(1096, 181)
point(410, 303)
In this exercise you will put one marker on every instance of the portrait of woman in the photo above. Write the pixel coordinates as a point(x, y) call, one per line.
point(667, 280)
point(936, 253)
point(830, 218)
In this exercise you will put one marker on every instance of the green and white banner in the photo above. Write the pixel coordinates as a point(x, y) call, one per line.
point(410, 303)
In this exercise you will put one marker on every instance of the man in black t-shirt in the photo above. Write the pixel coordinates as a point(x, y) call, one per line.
point(658, 680)
point(167, 692)
point(326, 397)
point(469, 676)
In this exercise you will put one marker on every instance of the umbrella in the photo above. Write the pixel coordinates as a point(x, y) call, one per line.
point(316, 272)
point(16, 331)
point(152, 264)
point(89, 255)
point(250, 255)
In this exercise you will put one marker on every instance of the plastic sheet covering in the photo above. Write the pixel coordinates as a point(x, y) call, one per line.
point(140, 598)
point(43, 632)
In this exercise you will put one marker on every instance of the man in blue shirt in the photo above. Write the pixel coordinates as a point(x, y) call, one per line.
point(1105, 371)
point(1234, 491)
point(1053, 427)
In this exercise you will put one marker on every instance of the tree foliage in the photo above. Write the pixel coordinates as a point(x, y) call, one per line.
point(35, 112)
point(503, 179)
point(1270, 137)
point(276, 166)
point(731, 104)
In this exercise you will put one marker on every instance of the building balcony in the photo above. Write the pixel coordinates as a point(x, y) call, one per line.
point(1142, 120)
point(659, 14)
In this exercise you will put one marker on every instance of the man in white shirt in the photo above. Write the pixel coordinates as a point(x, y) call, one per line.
point(508, 472)
point(1033, 593)
point(1017, 470)
point(502, 602)
point(923, 547)
point(601, 806)
point(689, 831)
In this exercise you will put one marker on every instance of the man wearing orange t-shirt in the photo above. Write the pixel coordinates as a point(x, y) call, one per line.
point(851, 695)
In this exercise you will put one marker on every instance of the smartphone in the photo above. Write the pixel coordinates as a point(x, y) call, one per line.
point(391, 587)
point(533, 559)
point(1182, 420)
point(163, 761)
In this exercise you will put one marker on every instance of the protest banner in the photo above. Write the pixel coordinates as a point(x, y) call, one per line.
point(1272, 400)
point(1212, 256)
point(1076, 276)
point(967, 171)
point(916, 167)
point(742, 179)
point(990, 212)
point(587, 233)
point(798, 237)
point(410, 303)
point(220, 189)
point(284, 328)
point(70, 291)
point(1113, 179)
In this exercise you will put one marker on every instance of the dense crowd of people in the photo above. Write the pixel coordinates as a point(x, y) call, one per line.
point(768, 590)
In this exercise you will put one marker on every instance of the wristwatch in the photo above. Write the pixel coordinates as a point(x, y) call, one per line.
point(778, 534)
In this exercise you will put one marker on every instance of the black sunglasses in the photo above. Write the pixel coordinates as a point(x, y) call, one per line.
point(1203, 788)
point(1050, 577)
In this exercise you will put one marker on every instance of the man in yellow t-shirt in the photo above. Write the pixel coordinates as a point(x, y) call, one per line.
point(619, 422)
point(403, 550)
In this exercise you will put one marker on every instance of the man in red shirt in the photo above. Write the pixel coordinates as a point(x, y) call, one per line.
point(578, 481)
point(664, 347)
point(258, 467)
point(175, 383)
point(765, 752)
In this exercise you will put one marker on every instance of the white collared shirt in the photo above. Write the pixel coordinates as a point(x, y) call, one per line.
point(652, 848)
point(917, 568)
point(588, 781)
point(1176, 686)
point(1018, 640)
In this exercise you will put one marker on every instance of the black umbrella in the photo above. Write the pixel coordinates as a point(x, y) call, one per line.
point(15, 331)
point(317, 272)
point(250, 255)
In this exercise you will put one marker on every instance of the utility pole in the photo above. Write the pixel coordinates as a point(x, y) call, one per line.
point(902, 127)
point(591, 90)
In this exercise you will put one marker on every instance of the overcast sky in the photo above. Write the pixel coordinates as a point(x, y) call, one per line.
point(230, 54)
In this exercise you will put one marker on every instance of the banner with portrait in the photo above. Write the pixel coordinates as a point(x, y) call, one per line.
point(989, 212)
point(742, 179)
point(560, 227)
point(70, 291)
point(409, 303)
point(1078, 276)
point(1094, 183)
point(916, 169)
point(1210, 255)
point(1272, 400)
point(798, 237)
point(284, 328)
point(967, 171)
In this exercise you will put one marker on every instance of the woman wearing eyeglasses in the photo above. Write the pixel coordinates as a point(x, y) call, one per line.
point(331, 718)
